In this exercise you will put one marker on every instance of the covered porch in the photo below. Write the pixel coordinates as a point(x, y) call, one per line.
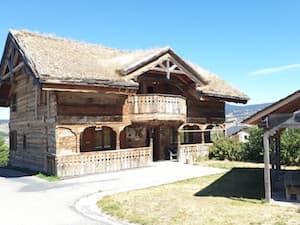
point(88, 149)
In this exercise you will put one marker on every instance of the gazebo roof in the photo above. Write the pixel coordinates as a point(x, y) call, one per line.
point(286, 105)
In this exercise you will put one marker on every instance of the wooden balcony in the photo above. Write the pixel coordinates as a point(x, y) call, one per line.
point(145, 107)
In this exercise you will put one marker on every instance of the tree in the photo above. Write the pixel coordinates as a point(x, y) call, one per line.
point(254, 147)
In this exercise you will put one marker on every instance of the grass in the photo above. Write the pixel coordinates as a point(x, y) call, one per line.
point(49, 178)
point(234, 197)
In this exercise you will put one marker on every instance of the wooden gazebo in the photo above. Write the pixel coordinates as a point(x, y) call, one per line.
point(283, 114)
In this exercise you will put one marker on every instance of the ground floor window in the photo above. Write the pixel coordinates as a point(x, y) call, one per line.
point(191, 135)
point(134, 136)
point(98, 139)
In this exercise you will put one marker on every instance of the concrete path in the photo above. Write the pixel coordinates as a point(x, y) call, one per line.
point(28, 200)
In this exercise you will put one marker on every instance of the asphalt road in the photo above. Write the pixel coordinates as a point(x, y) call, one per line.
point(28, 200)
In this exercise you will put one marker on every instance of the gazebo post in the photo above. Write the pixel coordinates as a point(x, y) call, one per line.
point(267, 167)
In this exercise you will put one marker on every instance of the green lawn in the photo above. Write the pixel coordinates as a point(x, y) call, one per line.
point(234, 197)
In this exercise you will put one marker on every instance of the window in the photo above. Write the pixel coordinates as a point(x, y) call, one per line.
point(13, 103)
point(104, 138)
point(24, 142)
point(97, 139)
point(13, 140)
point(192, 135)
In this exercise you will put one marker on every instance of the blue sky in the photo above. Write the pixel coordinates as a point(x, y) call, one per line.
point(253, 45)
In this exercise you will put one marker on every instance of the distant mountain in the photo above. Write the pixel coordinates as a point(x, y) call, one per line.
point(236, 113)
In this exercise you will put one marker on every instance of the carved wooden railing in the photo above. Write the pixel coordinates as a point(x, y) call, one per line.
point(157, 104)
point(102, 161)
point(189, 153)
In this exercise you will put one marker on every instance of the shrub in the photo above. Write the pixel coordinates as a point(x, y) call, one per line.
point(226, 148)
point(290, 147)
point(3, 152)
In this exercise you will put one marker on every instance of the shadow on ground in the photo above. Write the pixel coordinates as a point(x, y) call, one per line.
point(8, 172)
point(237, 183)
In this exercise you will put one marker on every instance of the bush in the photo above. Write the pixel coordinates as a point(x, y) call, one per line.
point(254, 148)
point(3, 152)
point(290, 147)
point(226, 148)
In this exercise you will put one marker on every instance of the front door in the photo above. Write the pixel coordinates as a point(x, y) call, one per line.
point(164, 138)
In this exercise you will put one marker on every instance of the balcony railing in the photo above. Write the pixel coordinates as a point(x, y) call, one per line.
point(102, 161)
point(156, 106)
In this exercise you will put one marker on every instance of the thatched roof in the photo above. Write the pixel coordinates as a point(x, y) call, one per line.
point(58, 60)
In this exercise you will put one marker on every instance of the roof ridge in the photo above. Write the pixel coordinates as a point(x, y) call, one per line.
point(54, 37)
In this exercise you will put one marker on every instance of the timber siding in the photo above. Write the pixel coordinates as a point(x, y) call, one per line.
point(34, 123)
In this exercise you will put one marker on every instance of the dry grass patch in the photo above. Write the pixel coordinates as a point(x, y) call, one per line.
point(234, 197)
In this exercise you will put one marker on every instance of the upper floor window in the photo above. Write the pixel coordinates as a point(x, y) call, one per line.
point(13, 140)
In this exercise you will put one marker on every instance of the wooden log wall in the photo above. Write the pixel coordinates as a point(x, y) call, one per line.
point(34, 123)
point(205, 111)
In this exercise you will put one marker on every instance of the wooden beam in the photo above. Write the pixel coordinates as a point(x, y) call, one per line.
point(87, 88)
point(164, 70)
point(267, 179)
point(168, 69)
point(12, 71)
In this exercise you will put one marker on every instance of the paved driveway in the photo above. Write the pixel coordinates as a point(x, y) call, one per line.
point(28, 200)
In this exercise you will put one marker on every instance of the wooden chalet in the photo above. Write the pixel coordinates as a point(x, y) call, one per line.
point(78, 108)
point(281, 115)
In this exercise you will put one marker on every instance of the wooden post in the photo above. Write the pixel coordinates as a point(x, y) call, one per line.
point(178, 144)
point(48, 103)
point(277, 149)
point(267, 179)
point(202, 137)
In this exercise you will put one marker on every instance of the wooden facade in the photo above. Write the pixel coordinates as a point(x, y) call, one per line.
point(78, 124)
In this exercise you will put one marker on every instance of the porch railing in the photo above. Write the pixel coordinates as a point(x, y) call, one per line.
point(189, 153)
point(157, 104)
point(102, 161)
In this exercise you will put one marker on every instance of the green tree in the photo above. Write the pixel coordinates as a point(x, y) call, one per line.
point(3, 152)
point(253, 149)
point(290, 147)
